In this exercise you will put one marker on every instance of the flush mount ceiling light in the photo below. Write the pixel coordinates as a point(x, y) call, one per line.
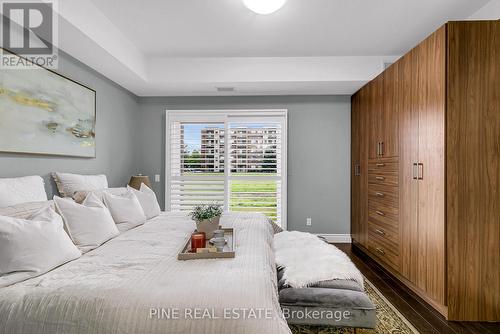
point(264, 7)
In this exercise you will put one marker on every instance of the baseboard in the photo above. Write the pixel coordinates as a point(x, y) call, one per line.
point(337, 238)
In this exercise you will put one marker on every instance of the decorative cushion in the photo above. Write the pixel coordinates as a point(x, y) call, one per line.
point(21, 190)
point(328, 307)
point(325, 297)
point(126, 210)
point(67, 184)
point(25, 210)
point(88, 224)
point(29, 248)
point(80, 196)
point(147, 198)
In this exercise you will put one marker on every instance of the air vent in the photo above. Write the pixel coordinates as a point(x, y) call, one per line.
point(225, 89)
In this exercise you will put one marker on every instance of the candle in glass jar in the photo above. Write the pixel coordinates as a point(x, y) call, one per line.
point(198, 240)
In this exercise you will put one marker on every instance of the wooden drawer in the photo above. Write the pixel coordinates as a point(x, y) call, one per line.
point(386, 179)
point(378, 166)
point(383, 214)
point(389, 237)
point(380, 249)
point(388, 195)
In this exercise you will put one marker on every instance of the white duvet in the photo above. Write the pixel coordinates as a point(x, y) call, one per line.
point(135, 284)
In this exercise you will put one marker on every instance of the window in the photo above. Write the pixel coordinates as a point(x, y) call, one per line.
point(233, 158)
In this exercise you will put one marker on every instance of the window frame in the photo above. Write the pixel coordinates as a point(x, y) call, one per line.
point(226, 116)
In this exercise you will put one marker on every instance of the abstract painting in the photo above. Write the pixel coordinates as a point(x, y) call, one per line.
point(43, 112)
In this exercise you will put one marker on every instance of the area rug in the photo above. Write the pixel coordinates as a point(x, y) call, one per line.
point(389, 319)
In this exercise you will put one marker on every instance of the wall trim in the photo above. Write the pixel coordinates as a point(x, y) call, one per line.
point(337, 238)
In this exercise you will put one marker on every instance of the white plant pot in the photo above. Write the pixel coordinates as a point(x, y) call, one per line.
point(208, 226)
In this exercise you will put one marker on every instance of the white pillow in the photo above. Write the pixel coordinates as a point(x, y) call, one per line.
point(126, 210)
point(68, 184)
point(147, 198)
point(80, 196)
point(30, 248)
point(25, 210)
point(21, 190)
point(88, 224)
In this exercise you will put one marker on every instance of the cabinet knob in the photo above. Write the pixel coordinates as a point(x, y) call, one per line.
point(380, 250)
point(381, 178)
point(381, 232)
point(380, 213)
point(380, 164)
point(379, 194)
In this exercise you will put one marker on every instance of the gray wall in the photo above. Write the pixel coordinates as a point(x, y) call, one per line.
point(318, 157)
point(131, 139)
point(117, 112)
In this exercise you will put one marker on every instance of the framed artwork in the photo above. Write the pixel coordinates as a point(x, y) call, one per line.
point(42, 112)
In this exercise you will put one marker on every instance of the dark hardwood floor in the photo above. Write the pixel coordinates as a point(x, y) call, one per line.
point(419, 313)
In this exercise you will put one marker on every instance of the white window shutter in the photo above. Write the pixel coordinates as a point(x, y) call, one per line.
point(196, 165)
point(227, 158)
point(255, 161)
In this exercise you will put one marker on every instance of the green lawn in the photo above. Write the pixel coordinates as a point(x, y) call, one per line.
point(250, 196)
point(254, 196)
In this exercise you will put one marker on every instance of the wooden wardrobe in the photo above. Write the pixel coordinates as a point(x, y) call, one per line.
point(426, 170)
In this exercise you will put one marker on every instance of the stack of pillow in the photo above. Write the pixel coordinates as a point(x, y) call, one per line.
point(34, 239)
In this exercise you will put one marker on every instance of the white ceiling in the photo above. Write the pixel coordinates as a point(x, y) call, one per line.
point(189, 47)
point(226, 28)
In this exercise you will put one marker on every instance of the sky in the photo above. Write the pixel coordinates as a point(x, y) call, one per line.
point(192, 135)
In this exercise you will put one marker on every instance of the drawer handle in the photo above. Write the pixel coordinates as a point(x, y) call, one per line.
point(379, 194)
point(380, 165)
point(380, 250)
point(380, 213)
point(380, 148)
point(380, 232)
point(380, 178)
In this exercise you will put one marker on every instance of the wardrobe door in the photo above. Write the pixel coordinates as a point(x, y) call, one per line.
point(408, 157)
point(431, 169)
point(389, 112)
point(363, 159)
point(359, 168)
point(473, 171)
point(374, 95)
point(355, 168)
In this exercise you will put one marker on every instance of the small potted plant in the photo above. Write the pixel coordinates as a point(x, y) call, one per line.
point(207, 218)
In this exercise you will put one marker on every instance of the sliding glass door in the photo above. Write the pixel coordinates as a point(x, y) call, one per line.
point(233, 158)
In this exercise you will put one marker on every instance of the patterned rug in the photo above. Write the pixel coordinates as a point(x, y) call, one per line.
point(389, 319)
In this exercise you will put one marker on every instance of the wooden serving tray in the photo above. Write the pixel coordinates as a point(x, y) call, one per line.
point(228, 252)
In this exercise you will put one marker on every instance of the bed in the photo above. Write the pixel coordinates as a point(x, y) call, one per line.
point(135, 284)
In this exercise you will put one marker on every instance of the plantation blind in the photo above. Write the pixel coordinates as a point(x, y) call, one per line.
point(255, 167)
point(233, 158)
point(196, 164)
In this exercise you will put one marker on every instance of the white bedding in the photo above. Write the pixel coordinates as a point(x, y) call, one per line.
point(118, 286)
